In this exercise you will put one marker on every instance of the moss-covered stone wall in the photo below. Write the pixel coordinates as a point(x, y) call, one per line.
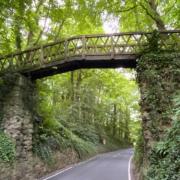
point(158, 75)
point(16, 95)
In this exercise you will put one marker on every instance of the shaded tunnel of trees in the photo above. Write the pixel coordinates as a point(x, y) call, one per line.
point(87, 111)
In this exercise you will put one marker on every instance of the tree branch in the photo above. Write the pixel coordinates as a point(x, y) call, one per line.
point(126, 10)
point(42, 31)
point(30, 33)
point(59, 29)
point(155, 15)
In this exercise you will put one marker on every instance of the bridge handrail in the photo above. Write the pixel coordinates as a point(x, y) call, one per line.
point(85, 45)
point(86, 36)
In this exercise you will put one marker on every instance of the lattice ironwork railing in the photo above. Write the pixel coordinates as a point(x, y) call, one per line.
point(88, 45)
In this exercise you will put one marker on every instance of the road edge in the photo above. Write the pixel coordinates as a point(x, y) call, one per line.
point(129, 168)
point(67, 168)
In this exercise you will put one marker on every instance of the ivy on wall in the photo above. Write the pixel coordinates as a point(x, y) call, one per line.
point(7, 149)
point(158, 77)
point(164, 159)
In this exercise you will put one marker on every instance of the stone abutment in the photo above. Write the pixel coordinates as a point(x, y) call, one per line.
point(158, 76)
point(16, 96)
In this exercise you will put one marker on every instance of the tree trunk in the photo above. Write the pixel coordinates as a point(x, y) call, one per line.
point(72, 86)
point(127, 118)
point(157, 18)
point(114, 119)
point(151, 11)
point(77, 94)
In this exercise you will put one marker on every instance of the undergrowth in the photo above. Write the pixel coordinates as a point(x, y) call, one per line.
point(58, 138)
point(52, 136)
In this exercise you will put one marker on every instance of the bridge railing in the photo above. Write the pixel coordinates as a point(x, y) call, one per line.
point(110, 45)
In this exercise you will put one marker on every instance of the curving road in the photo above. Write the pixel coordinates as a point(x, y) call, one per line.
point(109, 166)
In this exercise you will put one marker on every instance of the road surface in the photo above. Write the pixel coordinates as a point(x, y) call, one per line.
point(109, 166)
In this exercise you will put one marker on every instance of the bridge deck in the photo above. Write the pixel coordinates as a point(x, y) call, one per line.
point(77, 62)
point(88, 51)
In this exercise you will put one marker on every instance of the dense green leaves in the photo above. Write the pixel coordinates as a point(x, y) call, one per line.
point(7, 149)
point(164, 159)
point(158, 76)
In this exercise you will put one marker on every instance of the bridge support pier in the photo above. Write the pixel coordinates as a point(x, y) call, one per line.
point(16, 97)
point(158, 76)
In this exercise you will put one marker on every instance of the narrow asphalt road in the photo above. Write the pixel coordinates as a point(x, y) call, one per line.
point(109, 166)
